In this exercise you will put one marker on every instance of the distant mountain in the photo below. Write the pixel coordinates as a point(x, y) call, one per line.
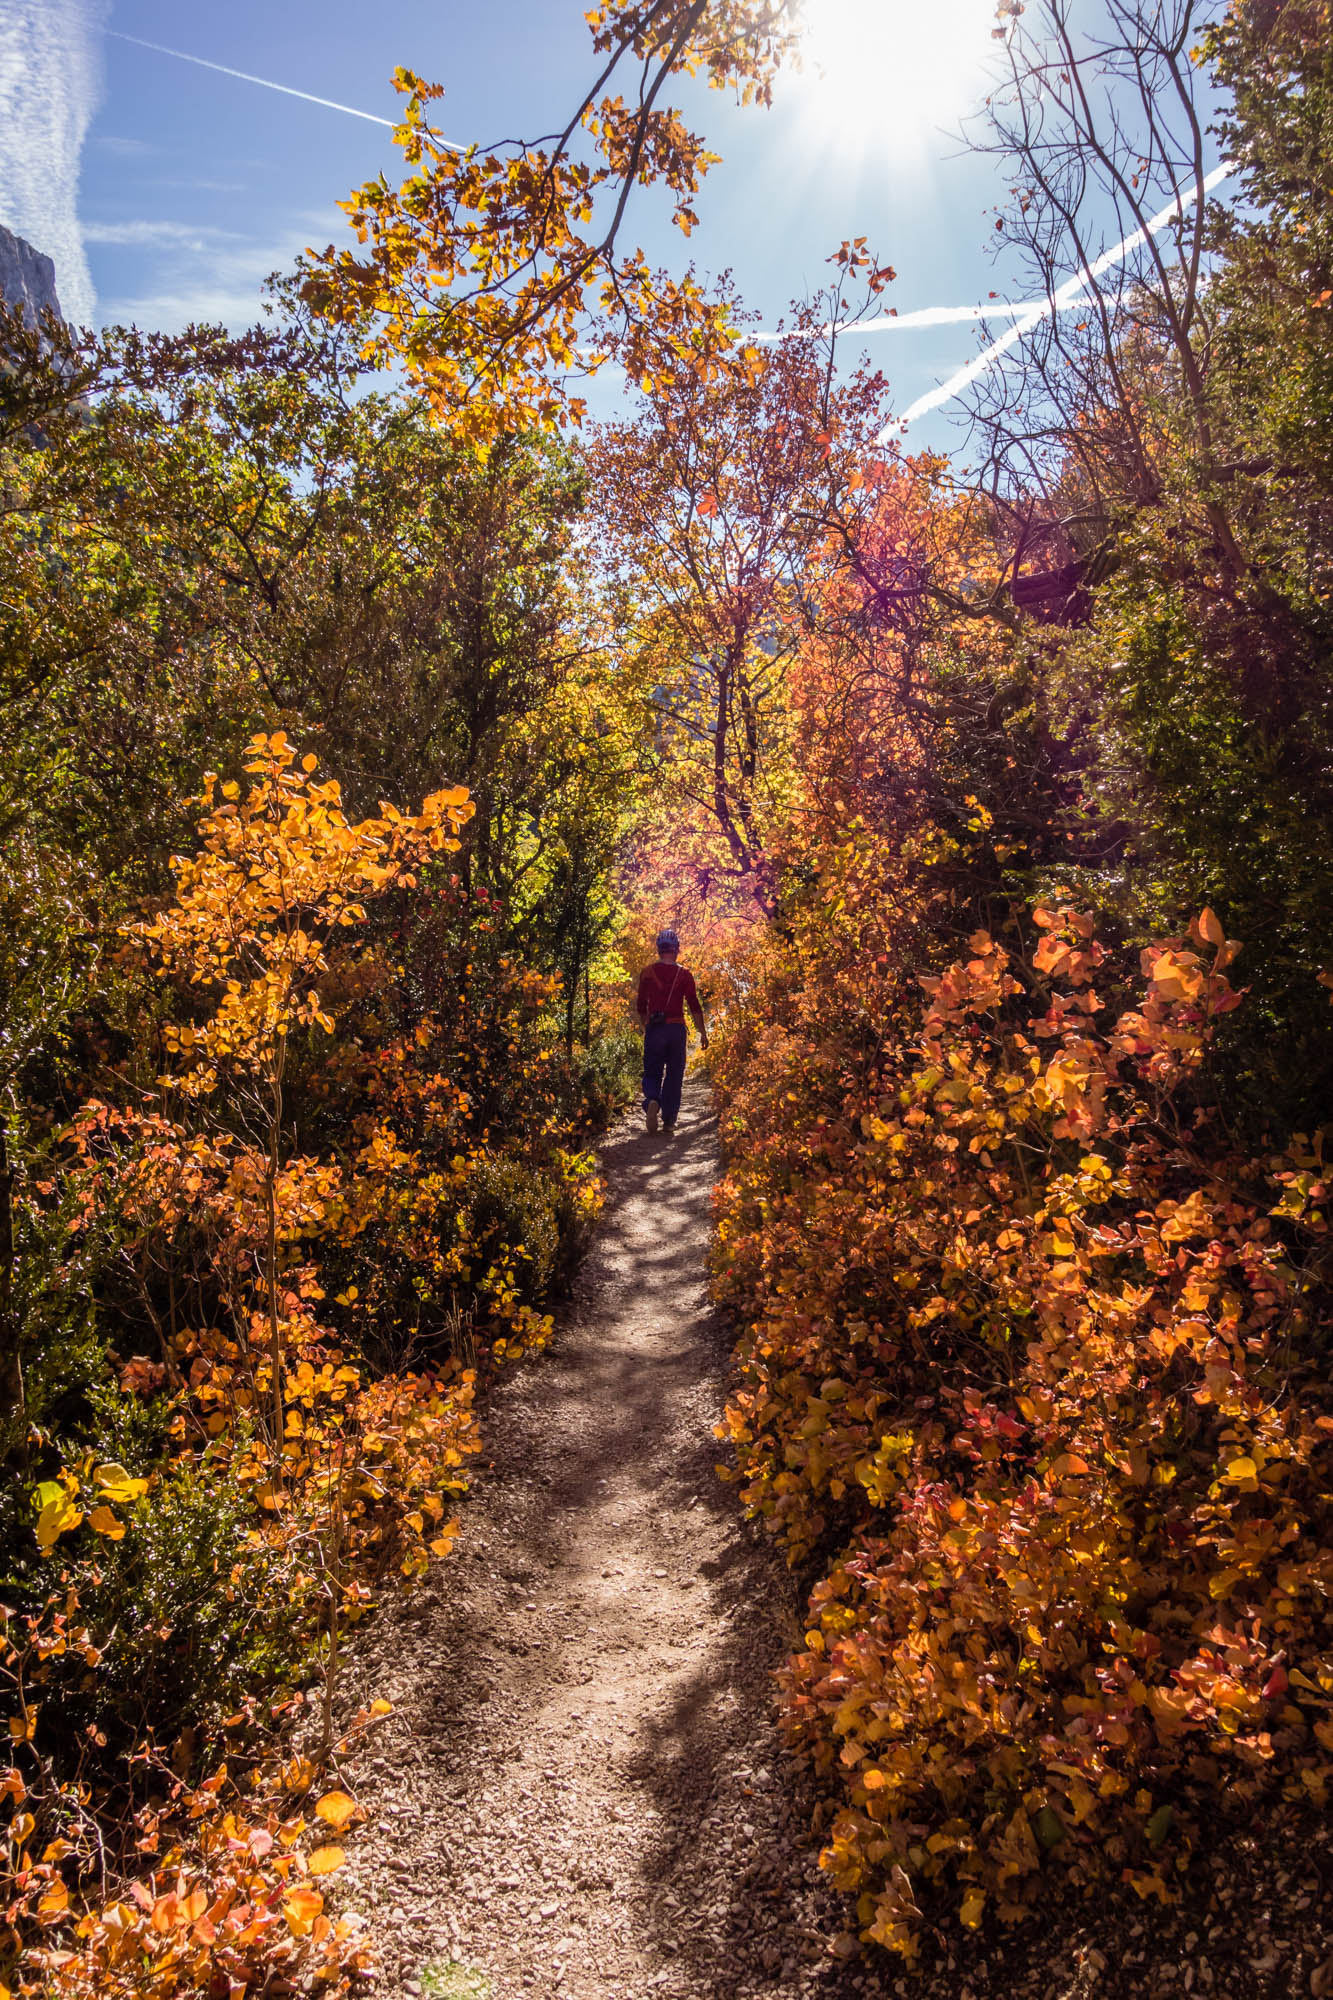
point(27, 279)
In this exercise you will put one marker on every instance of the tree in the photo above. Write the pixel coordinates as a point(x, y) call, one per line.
point(720, 508)
point(495, 273)
point(1135, 437)
point(1106, 392)
point(281, 871)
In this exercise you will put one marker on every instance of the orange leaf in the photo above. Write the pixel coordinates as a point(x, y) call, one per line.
point(55, 1900)
point(301, 1907)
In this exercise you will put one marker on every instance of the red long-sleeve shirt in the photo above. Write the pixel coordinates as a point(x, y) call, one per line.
point(669, 989)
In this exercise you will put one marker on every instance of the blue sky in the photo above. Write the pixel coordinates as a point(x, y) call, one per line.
point(192, 185)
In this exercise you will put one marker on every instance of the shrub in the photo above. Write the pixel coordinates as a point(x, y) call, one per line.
point(605, 1074)
point(1035, 1362)
point(191, 1610)
point(512, 1225)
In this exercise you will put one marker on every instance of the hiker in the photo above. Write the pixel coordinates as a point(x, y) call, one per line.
point(665, 991)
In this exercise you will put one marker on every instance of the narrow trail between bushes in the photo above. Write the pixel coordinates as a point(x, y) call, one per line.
point(582, 1791)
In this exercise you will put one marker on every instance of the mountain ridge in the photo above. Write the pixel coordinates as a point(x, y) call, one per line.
point(27, 278)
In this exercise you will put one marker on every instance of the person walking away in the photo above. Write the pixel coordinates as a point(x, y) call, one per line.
point(666, 989)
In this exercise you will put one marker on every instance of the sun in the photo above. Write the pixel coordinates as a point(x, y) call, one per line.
point(891, 76)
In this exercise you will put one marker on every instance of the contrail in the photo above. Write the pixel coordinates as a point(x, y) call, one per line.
point(939, 316)
point(902, 322)
point(1025, 314)
point(50, 82)
point(265, 83)
point(1063, 299)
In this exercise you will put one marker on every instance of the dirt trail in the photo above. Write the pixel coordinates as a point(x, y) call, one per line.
point(581, 1792)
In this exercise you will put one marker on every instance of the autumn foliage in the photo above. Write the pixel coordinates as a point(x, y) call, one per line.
point(1030, 1368)
point(959, 787)
point(497, 273)
point(320, 1317)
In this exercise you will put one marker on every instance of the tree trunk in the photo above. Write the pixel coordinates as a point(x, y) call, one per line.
point(13, 1404)
point(271, 1248)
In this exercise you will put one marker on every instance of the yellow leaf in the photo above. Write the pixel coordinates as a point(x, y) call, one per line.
point(325, 1859)
point(115, 1482)
point(1210, 930)
point(335, 1808)
point(1241, 1469)
point(301, 1907)
point(299, 1773)
point(57, 1513)
point(103, 1522)
point(974, 1902)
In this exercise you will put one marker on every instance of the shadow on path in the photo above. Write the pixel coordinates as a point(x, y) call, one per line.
point(583, 1767)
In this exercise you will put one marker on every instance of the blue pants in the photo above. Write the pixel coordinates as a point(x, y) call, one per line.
point(664, 1066)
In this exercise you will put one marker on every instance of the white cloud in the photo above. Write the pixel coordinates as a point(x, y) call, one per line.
point(122, 148)
point(937, 316)
point(153, 235)
point(264, 82)
point(222, 282)
point(906, 322)
point(50, 82)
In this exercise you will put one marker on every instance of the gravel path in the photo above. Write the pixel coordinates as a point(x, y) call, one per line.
point(581, 1791)
point(581, 1794)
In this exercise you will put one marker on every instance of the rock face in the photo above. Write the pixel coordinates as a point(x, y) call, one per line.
point(27, 279)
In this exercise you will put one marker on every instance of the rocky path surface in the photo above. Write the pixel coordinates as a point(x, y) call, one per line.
point(581, 1791)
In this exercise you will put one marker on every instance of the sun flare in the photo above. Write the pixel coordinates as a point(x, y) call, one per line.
point(889, 75)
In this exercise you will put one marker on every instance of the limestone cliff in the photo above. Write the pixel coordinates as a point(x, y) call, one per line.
point(27, 279)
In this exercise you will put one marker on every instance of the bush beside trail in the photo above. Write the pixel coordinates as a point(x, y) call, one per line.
point(1033, 1377)
point(262, 1406)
